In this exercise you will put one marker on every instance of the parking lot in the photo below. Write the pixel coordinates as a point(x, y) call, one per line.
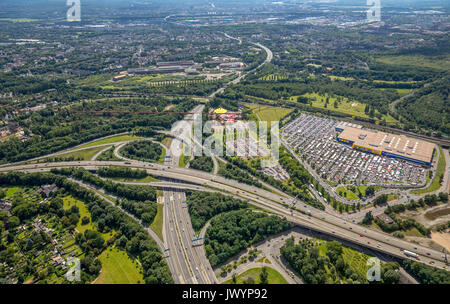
point(315, 139)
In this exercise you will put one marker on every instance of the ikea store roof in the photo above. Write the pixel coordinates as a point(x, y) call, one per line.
point(390, 143)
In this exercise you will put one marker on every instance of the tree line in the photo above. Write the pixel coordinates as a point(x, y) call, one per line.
point(137, 241)
point(131, 192)
point(236, 230)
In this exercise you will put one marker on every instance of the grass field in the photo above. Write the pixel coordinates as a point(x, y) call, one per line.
point(354, 195)
point(403, 91)
point(157, 225)
point(437, 63)
point(167, 141)
point(395, 82)
point(413, 232)
point(274, 277)
point(183, 161)
point(118, 268)
point(112, 139)
point(346, 106)
point(162, 156)
point(104, 81)
point(356, 260)
point(83, 154)
point(11, 190)
point(435, 184)
point(350, 195)
point(268, 113)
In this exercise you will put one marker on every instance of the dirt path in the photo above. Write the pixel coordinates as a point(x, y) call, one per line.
point(442, 238)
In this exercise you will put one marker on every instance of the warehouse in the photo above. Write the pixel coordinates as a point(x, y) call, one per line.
point(390, 145)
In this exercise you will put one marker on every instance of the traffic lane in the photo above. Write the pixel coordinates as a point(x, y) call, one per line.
point(198, 252)
point(184, 268)
point(186, 232)
point(173, 252)
point(185, 242)
point(182, 177)
point(181, 242)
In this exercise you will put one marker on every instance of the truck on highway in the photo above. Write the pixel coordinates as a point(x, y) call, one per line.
point(411, 254)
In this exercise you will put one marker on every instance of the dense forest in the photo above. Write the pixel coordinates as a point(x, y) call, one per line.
point(205, 205)
point(230, 171)
point(203, 163)
point(316, 268)
point(128, 234)
point(429, 107)
point(131, 192)
point(300, 178)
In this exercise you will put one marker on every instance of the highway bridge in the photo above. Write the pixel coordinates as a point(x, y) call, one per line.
point(278, 203)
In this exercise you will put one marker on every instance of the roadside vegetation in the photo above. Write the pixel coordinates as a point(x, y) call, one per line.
point(329, 262)
point(203, 206)
point(119, 268)
point(426, 274)
point(438, 177)
point(259, 275)
point(108, 155)
point(129, 236)
point(143, 150)
point(234, 231)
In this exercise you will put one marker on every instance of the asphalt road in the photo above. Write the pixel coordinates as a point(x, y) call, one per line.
point(317, 220)
point(188, 263)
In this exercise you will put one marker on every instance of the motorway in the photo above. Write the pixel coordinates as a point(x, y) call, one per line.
point(303, 215)
point(188, 263)
point(185, 255)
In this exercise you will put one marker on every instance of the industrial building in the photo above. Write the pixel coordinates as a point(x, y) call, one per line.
point(390, 145)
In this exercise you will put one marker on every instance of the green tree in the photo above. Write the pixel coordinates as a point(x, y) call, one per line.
point(263, 276)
